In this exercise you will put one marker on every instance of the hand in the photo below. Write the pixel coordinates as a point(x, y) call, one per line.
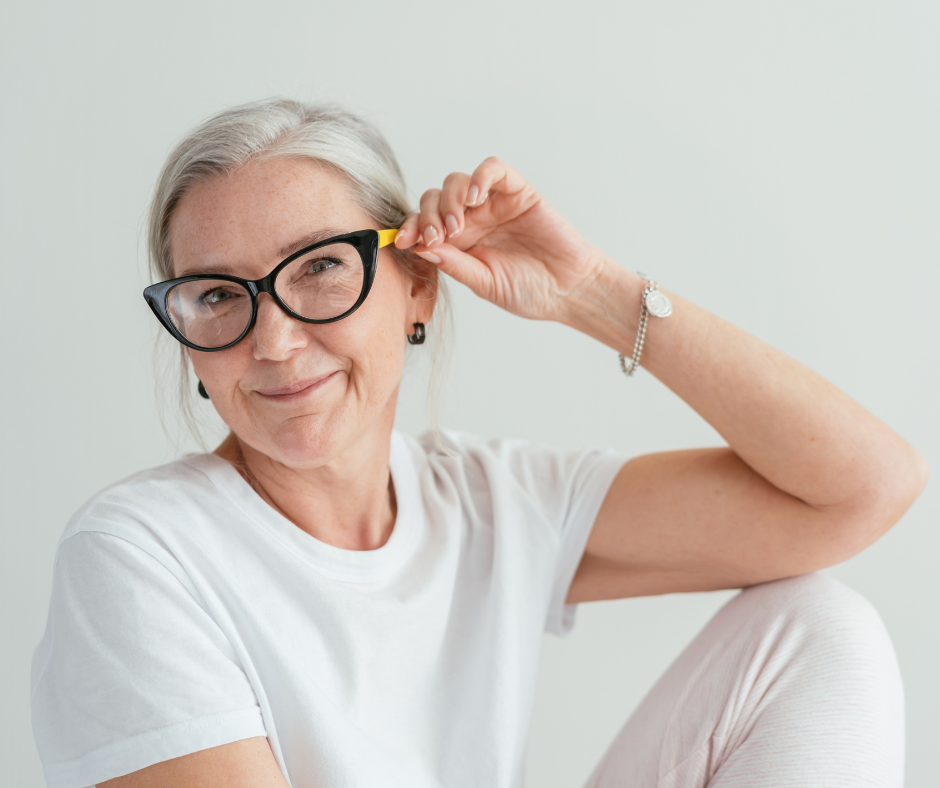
point(493, 232)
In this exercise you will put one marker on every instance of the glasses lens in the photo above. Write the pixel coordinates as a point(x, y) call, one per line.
point(209, 312)
point(324, 283)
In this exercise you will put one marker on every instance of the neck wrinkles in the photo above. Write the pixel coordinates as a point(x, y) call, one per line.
point(346, 504)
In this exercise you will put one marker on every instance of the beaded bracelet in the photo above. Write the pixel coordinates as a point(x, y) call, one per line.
point(653, 302)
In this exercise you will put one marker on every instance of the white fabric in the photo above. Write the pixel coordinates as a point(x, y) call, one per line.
point(793, 684)
point(187, 613)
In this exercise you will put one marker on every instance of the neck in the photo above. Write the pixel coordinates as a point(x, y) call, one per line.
point(348, 502)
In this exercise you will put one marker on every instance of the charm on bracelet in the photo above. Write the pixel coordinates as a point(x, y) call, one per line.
point(655, 303)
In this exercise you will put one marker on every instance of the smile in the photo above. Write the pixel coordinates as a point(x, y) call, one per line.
point(295, 390)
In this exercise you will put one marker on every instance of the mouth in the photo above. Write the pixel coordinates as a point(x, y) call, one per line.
point(296, 390)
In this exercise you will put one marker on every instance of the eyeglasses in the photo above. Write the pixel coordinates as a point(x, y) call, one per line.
point(322, 283)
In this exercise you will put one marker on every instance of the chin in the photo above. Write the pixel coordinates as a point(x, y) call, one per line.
point(307, 441)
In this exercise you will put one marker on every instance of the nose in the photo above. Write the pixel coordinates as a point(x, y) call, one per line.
point(275, 334)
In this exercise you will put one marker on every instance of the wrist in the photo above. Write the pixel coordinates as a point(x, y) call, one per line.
point(653, 302)
point(607, 307)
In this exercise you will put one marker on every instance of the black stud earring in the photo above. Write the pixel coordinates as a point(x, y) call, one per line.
point(418, 336)
point(202, 391)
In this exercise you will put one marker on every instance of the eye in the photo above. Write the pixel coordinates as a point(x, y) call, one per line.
point(323, 264)
point(216, 295)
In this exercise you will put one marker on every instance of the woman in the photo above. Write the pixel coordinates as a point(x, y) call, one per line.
point(323, 601)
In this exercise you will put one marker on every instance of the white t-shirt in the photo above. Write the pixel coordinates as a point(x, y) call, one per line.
point(187, 613)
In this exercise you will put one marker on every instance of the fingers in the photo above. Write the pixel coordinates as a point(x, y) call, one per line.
point(430, 222)
point(443, 211)
point(465, 268)
point(452, 201)
point(408, 232)
point(423, 227)
point(493, 175)
point(441, 216)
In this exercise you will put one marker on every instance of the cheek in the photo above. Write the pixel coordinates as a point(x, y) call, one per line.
point(374, 334)
point(221, 372)
point(375, 347)
point(369, 346)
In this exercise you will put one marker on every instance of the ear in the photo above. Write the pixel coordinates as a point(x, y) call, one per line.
point(422, 295)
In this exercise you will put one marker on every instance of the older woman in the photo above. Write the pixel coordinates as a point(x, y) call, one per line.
point(323, 601)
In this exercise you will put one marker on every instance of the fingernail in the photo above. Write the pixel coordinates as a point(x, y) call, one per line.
point(483, 198)
point(472, 195)
point(450, 222)
point(431, 258)
point(430, 235)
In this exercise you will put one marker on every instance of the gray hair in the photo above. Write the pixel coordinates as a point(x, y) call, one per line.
point(283, 128)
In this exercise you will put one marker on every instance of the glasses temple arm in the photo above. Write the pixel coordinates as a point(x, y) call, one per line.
point(387, 237)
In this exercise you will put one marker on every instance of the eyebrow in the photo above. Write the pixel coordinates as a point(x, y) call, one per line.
point(309, 240)
point(285, 252)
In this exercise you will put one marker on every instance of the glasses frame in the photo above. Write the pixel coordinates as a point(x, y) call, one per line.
point(366, 242)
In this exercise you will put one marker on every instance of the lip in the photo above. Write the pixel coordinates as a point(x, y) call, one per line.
point(295, 390)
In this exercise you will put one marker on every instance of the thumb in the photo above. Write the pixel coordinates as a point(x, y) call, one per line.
point(465, 268)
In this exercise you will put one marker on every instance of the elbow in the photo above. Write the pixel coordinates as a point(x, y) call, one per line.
point(920, 475)
point(882, 501)
point(902, 483)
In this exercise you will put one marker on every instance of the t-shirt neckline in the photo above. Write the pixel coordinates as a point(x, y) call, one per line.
point(336, 562)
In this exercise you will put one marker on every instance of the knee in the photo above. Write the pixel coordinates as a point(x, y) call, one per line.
point(816, 620)
point(816, 604)
point(814, 668)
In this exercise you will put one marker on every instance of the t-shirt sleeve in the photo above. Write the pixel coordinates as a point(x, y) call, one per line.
point(573, 486)
point(591, 474)
point(131, 670)
point(567, 489)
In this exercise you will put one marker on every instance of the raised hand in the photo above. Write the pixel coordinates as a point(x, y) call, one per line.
point(494, 233)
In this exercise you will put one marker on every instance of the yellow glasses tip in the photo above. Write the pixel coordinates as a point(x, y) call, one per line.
point(386, 237)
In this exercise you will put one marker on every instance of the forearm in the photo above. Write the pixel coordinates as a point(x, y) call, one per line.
point(808, 479)
point(790, 425)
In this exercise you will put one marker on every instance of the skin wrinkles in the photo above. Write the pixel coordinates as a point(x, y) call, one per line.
point(285, 252)
point(326, 452)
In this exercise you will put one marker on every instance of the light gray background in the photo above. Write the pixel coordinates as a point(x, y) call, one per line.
point(776, 162)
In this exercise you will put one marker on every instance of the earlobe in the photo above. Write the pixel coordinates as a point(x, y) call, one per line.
point(418, 337)
point(422, 298)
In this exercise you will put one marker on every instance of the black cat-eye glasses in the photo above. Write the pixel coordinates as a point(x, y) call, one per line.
point(321, 283)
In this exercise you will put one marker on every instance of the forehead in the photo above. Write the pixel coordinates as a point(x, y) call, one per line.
point(244, 219)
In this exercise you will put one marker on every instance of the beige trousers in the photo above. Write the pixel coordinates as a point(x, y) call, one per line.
point(792, 684)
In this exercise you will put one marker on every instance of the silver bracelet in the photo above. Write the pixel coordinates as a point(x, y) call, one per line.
point(652, 302)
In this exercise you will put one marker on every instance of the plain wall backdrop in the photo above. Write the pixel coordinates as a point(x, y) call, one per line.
point(775, 162)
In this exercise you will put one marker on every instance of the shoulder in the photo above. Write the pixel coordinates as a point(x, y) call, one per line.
point(528, 468)
point(465, 448)
point(463, 455)
point(142, 507)
point(473, 452)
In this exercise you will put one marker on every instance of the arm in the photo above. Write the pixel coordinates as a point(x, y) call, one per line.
point(137, 632)
point(808, 479)
point(248, 763)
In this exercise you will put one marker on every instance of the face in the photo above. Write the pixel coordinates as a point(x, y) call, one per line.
point(300, 393)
